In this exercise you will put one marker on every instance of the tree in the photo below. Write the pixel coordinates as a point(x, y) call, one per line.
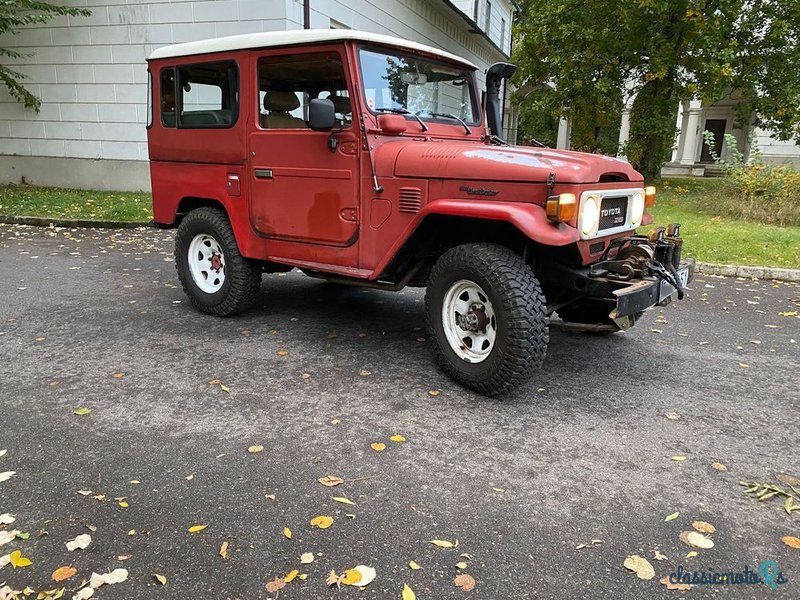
point(661, 52)
point(15, 14)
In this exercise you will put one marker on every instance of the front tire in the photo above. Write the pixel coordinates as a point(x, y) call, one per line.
point(215, 277)
point(486, 315)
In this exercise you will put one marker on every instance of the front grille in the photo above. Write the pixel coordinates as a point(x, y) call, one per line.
point(613, 212)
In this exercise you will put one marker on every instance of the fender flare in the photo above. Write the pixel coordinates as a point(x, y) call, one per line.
point(530, 219)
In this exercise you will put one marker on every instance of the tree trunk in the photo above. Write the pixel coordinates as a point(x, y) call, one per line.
point(653, 127)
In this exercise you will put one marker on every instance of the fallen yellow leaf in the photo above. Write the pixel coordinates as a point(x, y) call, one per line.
point(322, 521)
point(719, 466)
point(291, 575)
point(17, 560)
point(703, 527)
point(160, 578)
point(791, 541)
point(414, 566)
point(350, 577)
point(398, 438)
point(255, 449)
point(678, 458)
point(698, 540)
point(640, 565)
point(197, 528)
point(408, 593)
point(287, 533)
point(282, 353)
point(378, 446)
point(461, 565)
point(123, 504)
point(331, 480)
point(62, 573)
point(223, 550)
point(691, 554)
point(343, 500)
point(442, 543)
point(306, 558)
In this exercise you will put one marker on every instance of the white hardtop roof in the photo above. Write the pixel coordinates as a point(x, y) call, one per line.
point(293, 38)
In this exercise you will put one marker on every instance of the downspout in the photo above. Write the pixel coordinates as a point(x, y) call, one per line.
point(306, 14)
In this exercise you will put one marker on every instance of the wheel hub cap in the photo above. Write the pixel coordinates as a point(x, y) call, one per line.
point(469, 321)
point(206, 263)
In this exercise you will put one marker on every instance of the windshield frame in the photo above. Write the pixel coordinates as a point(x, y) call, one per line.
point(400, 53)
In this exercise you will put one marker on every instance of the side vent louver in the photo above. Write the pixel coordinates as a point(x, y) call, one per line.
point(410, 199)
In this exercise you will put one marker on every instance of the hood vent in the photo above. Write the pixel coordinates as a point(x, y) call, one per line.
point(410, 199)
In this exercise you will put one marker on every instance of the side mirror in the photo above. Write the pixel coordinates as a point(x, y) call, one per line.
point(321, 114)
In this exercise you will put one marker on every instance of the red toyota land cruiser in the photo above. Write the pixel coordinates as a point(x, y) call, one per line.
point(369, 160)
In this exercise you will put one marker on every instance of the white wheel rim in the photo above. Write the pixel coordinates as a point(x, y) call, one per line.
point(469, 322)
point(206, 263)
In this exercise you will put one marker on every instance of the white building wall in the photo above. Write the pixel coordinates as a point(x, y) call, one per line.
point(91, 74)
point(774, 151)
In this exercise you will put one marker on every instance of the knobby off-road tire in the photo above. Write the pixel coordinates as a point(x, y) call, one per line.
point(514, 311)
point(231, 288)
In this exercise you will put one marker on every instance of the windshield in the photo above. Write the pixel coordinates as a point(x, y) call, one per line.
point(422, 87)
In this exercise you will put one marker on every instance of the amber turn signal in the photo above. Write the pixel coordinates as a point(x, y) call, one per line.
point(650, 196)
point(561, 208)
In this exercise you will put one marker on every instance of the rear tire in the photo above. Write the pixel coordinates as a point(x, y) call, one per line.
point(215, 277)
point(486, 315)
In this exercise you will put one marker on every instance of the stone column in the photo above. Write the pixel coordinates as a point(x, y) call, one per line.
point(562, 141)
point(624, 131)
point(689, 145)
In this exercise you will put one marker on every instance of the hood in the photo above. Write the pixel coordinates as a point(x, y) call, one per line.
point(457, 160)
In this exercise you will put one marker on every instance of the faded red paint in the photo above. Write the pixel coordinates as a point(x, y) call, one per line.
point(319, 211)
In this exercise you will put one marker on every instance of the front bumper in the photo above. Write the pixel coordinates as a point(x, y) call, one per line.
point(637, 296)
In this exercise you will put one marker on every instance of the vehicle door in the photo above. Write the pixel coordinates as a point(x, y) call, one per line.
point(304, 183)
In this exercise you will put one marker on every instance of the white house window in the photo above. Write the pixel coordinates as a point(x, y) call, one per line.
point(503, 35)
point(476, 10)
point(488, 18)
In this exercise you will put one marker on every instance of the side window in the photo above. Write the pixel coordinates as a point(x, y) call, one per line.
point(286, 85)
point(168, 97)
point(208, 95)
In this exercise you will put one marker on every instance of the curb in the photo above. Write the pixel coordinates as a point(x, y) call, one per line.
point(48, 222)
point(700, 267)
point(747, 271)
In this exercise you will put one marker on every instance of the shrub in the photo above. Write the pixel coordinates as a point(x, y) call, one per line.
point(754, 191)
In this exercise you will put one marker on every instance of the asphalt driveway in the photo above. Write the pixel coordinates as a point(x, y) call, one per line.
point(316, 374)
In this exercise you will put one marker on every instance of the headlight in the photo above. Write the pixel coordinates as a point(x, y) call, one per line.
point(590, 216)
point(637, 208)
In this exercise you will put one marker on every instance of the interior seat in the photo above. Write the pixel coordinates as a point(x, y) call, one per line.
point(278, 105)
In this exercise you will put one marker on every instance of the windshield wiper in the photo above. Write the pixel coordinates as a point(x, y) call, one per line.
point(451, 116)
point(403, 111)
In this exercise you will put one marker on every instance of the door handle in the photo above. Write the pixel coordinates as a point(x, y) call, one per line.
point(263, 173)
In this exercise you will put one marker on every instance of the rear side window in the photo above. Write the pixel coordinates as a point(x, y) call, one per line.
point(168, 97)
point(202, 96)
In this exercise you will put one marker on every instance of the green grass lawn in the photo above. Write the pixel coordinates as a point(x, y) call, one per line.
point(32, 201)
point(689, 201)
point(712, 238)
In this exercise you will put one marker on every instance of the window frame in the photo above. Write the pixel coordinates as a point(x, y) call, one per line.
point(235, 98)
point(161, 97)
point(278, 53)
point(477, 108)
point(150, 99)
